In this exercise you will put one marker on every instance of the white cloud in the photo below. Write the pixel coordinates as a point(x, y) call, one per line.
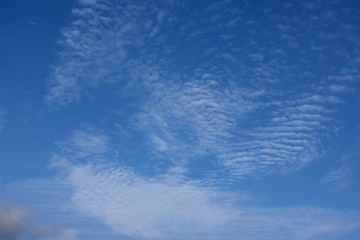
point(171, 206)
point(184, 111)
point(140, 207)
point(97, 47)
point(339, 88)
point(243, 118)
point(337, 179)
point(159, 143)
point(66, 90)
point(342, 78)
point(248, 131)
point(193, 116)
point(82, 144)
point(92, 53)
point(168, 207)
point(287, 141)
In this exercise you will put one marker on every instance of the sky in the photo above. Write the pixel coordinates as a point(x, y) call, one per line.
point(175, 119)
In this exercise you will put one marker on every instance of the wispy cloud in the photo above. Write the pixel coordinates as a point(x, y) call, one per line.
point(31, 23)
point(290, 139)
point(141, 207)
point(170, 205)
point(87, 2)
point(92, 52)
point(98, 45)
point(337, 179)
point(244, 116)
point(84, 144)
point(195, 115)
point(247, 131)
point(163, 208)
point(208, 96)
point(340, 88)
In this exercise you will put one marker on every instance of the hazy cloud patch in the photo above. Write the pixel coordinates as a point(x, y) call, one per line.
point(87, 2)
point(15, 224)
point(12, 221)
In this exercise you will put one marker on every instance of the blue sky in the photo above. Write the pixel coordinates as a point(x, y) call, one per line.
point(179, 120)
